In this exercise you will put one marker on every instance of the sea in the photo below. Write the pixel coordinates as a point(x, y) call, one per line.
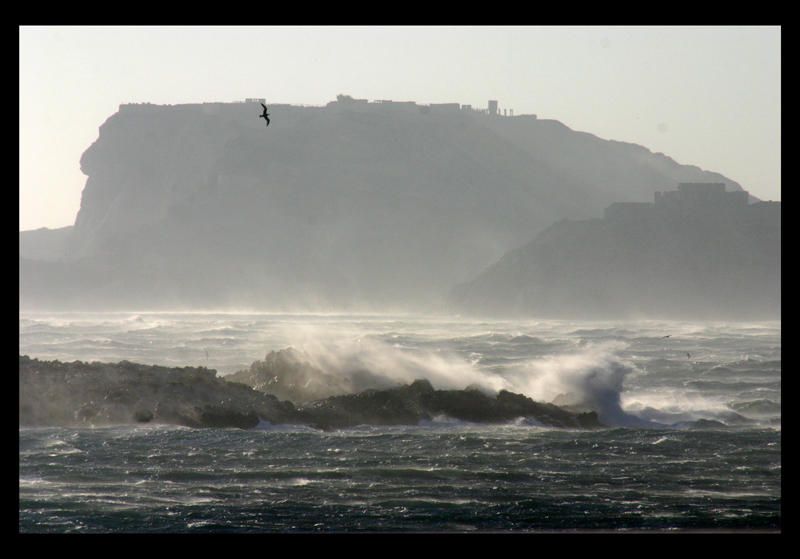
point(693, 436)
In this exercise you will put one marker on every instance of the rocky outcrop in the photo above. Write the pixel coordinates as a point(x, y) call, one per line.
point(81, 394)
point(419, 401)
point(289, 375)
point(338, 207)
point(55, 393)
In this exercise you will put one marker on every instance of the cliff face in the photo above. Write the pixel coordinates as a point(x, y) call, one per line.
point(204, 206)
point(706, 263)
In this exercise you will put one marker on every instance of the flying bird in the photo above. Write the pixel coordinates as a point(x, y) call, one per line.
point(265, 114)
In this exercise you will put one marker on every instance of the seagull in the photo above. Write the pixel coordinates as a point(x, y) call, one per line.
point(265, 114)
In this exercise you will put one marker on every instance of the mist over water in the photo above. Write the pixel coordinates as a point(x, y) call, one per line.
point(617, 369)
point(380, 227)
point(650, 382)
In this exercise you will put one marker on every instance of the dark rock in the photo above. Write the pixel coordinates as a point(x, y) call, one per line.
point(420, 386)
point(87, 412)
point(225, 416)
point(408, 405)
point(289, 375)
point(55, 393)
point(142, 416)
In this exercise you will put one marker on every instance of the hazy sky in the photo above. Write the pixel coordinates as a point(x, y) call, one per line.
point(706, 96)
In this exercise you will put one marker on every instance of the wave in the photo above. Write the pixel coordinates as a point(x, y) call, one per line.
point(223, 331)
point(589, 379)
point(737, 385)
point(591, 376)
point(284, 428)
point(758, 408)
point(632, 376)
point(445, 421)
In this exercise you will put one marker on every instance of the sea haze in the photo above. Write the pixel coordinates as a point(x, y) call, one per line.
point(429, 280)
point(693, 438)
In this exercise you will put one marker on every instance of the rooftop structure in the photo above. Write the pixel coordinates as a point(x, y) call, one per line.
point(347, 99)
point(692, 199)
point(345, 102)
point(693, 196)
point(445, 107)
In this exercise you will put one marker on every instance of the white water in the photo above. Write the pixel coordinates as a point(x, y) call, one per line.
point(632, 373)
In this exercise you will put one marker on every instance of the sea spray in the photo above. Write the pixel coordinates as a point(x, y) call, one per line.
point(372, 363)
point(441, 475)
point(591, 378)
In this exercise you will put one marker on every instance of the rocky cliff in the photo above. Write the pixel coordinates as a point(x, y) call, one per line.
point(348, 206)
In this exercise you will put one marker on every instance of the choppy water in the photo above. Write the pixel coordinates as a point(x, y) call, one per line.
point(442, 476)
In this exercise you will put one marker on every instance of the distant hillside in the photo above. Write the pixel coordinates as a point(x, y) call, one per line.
point(45, 244)
point(698, 252)
point(354, 205)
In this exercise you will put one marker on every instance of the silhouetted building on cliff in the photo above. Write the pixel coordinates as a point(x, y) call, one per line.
point(699, 199)
point(351, 205)
point(698, 251)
